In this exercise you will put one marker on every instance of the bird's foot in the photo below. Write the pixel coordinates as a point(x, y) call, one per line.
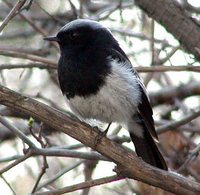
point(101, 134)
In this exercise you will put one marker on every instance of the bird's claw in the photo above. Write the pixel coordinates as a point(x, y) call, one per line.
point(100, 135)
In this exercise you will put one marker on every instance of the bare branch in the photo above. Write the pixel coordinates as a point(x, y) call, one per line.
point(10, 158)
point(69, 153)
point(28, 65)
point(192, 155)
point(159, 68)
point(12, 13)
point(167, 94)
point(172, 17)
point(83, 185)
point(176, 124)
point(19, 160)
point(45, 165)
point(17, 132)
point(129, 165)
point(11, 188)
point(59, 174)
point(28, 57)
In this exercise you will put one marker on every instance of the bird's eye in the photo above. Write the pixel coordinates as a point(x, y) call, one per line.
point(74, 35)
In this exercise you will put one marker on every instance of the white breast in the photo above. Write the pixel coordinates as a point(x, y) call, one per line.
point(116, 101)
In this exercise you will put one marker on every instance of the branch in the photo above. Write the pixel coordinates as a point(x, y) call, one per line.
point(17, 132)
point(159, 68)
point(141, 69)
point(28, 65)
point(10, 158)
point(176, 21)
point(192, 155)
point(168, 94)
point(83, 185)
point(12, 13)
point(68, 153)
point(28, 57)
point(19, 160)
point(31, 23)
point(59, 174)
point(176, 124)
point(45, 165)
point(7, 183)
point(129, 165)
point(137, 35)
point(27, 50)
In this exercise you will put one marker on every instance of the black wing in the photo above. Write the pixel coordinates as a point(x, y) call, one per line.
point(145, 146)
point(144, 107)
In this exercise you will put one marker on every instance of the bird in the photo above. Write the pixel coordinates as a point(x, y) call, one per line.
point(99, 82)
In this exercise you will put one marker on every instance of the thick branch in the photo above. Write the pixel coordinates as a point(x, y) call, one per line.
point(167, 95)
point(176, 21)
point(130, 165)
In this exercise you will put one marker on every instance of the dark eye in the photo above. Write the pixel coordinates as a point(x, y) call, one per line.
point(74, 35)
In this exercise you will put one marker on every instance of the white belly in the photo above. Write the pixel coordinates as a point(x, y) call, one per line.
point(116, 101)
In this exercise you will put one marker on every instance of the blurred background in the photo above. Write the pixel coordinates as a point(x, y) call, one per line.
point(28, 66)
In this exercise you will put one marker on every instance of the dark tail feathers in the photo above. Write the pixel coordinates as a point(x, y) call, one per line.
point(146, 148)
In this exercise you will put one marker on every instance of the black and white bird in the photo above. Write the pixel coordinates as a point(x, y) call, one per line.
point(100, 83)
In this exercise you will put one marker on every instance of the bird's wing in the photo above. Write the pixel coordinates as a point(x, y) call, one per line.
point(144, 107)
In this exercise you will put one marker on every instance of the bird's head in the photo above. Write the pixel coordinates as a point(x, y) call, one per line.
point(82, 33)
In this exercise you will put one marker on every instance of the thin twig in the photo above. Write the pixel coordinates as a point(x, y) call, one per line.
point(23, 158)
point(154, 55)
point(32, 24)
point(176, 124)
point(137, 35)
point(159, 68)
point(141, 69)
point(193, 173)
point(59, 174)
point(28, 57)
point(89, 168)
point(12, 13)
point(28, 50)
point(152, 43)
point(10, 158)
point(11, 188)
point(192, 155)
point(82, 185)
point(28, 6)
point(74, 10)
point(69, 153)
point(52, 17)
point(28, 65)
point(45, 165)
point(109, 9)
point(170, 54)
point(17, 132)
point(42, 172)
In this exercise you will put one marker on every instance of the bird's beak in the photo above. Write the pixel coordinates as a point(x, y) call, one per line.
point(51, 38)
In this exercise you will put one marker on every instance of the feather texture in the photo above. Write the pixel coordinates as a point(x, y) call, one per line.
point(100, 83)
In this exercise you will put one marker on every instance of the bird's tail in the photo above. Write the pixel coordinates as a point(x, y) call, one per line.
point(147, 149)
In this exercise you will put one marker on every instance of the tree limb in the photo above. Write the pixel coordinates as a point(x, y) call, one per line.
point(126, 162)
point(167, 94)
point(176, 21)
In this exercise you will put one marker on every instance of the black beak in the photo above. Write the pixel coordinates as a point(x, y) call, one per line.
point(51, 38)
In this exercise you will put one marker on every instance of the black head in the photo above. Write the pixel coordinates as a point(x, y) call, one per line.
point(82, 33)
point(83, 64)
